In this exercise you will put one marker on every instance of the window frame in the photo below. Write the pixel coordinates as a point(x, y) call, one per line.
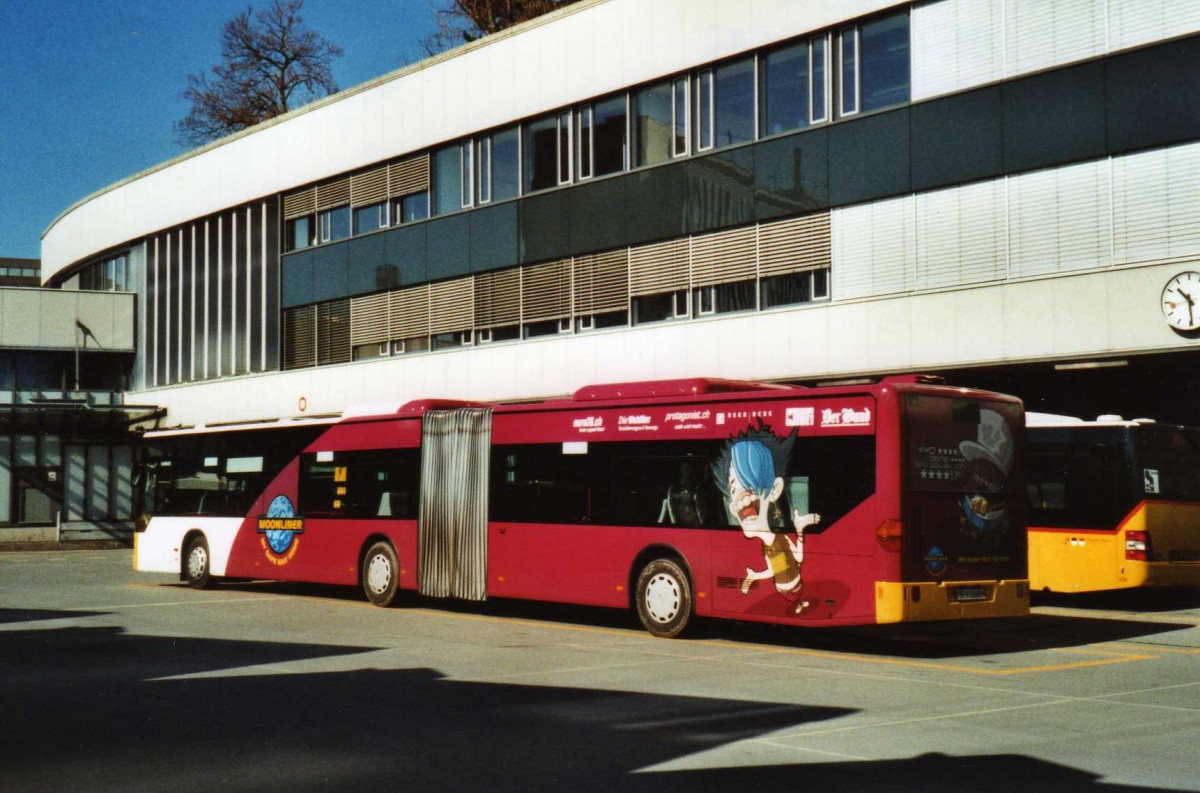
point(823, 40)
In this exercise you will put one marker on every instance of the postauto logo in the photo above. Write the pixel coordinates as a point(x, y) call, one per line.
point(279, 529)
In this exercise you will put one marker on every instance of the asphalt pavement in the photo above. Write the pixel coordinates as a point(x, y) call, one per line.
point(116, 680)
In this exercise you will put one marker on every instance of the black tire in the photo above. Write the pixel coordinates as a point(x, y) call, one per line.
point(664, 598)
point(380, 574)
point(197, 564)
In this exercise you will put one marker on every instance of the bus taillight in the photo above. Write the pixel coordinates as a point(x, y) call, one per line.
point(1137, 546)
point(888, 535)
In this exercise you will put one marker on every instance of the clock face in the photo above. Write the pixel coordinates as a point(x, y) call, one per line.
point(1181, 301)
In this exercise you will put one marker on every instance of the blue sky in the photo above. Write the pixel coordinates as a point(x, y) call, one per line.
point(91, 88)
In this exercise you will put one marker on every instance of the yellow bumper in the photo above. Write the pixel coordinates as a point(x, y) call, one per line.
point(952, 600)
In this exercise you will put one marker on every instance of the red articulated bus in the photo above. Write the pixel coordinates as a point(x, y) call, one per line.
point(898, 501)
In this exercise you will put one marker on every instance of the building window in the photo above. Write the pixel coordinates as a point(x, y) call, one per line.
point(724, 298)
point(849, 72)
point(583, 136)
point(794, 288)
point(498, 334)
point(652, 124)
point(783, 89)
point(466, 154)
point(540, 153)
point(371, 217)
point(549, 327)
point(445, 341)
point(734, 103)
point(411, 208)
point(884, 61)
point(681, 140)
point(334, 223)
point(505, 164)
point(410, 345)
point(299, 233)
point(704, 110)
point(660, 307)
point(447, 180)
point(818, 51)
point(109, 275)
point(365, 352)
point(565, 150)
point(610, 137)
point(483, 181)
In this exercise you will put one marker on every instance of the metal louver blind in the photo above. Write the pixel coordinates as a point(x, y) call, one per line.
point(724, 257)
point(662, 267)
point(546, 291)
point(299, 337)
point(452, 527)
point(369, 319)
point(409, 176)
point(789, 246)
point(409, 311)
point(333, 194)
point(498, 298)
point(602, 282)
point(370, 187)
point(333, 332)
point(451, 305)
point(299, 203)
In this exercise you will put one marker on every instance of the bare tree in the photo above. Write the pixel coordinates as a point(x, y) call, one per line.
point(271, 63)
point(461, 21)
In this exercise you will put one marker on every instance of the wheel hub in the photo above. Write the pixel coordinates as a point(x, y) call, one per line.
point(379, 573)
point(662, 598)
point(197, 562)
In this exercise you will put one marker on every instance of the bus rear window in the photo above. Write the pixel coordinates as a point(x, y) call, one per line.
point(1169, 462)
point(961, 445)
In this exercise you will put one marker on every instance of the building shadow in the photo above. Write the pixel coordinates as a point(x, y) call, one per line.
point(8, 616)
point(100, 709)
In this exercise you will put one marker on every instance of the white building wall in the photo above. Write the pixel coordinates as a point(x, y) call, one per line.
point(960, 44)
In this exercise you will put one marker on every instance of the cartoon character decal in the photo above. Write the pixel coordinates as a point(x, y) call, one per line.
point(989, 462)
point(748, 473)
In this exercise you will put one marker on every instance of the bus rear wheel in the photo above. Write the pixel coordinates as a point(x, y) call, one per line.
point(664, 598)
point(197, 567)
point(380, 574)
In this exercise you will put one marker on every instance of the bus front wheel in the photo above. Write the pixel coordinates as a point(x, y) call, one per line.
point(664, 598)
point(197, 564)
point(380, 573)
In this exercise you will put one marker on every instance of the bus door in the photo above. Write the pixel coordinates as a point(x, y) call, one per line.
point(452, 524)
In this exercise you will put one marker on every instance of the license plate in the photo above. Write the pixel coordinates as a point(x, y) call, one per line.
point(970, 593)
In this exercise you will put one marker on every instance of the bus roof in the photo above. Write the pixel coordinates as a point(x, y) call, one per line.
point(1107, 420)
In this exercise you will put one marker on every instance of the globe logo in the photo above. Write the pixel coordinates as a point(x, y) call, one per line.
point(280, 526)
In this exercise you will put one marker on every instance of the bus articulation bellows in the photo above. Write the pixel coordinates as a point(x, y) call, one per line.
point(892, 502)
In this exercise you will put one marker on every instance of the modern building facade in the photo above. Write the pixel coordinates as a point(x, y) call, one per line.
point(66, 448)
point(998, 190)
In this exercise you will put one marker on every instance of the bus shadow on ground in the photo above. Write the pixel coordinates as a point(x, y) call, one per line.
point(1151, 600)
point(923, 640)
point(100, 709)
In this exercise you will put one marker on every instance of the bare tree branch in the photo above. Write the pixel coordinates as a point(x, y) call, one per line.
point(270, 63)
point(459, 21)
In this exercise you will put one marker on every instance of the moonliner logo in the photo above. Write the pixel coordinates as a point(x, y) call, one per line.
point(280, 527)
